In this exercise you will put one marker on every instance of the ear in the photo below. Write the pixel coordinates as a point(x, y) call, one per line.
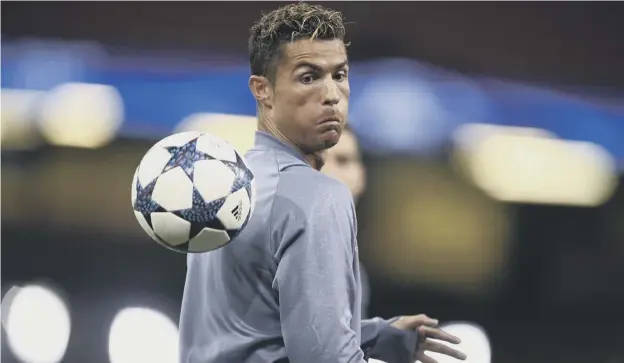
point(261, 89)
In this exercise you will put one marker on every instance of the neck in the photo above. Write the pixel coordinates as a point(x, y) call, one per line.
point(316, 160)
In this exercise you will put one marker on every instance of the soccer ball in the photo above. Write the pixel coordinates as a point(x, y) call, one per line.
point(192, 192)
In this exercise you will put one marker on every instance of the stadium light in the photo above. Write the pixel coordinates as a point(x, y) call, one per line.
point(37, 324)
point(238, 130)
point(530, 166)
point(81, 115)
point(471, 135)
point(475, 343)
point(18, 114)
point(142, 335)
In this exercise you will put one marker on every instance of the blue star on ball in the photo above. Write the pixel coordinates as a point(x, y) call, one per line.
point(185, 157)
point(242, 175)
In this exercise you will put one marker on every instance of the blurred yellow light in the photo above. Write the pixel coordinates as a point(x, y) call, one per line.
point(426, 227)
point(81, 115)
point(472, 134)
point(238, 130)
point(537, 170)
point(18, 113)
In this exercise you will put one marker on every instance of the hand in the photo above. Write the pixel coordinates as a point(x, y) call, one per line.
point(427, 330)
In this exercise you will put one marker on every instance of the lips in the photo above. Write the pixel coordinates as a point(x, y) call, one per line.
point(330, 124)
point(332, 119)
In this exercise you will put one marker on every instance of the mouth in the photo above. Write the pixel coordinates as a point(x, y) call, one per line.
point(330, 122)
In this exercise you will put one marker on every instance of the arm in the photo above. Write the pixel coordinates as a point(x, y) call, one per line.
point(383, 341)
point(315, 278)
point(365, 291)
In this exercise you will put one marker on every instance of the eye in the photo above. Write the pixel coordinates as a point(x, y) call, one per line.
point(307, 78)
point(340, 76)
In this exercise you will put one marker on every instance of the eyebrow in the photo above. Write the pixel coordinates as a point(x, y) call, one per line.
point(317, 68)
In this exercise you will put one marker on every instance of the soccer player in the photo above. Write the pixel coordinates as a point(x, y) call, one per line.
point(344, 162)
point(288, 288)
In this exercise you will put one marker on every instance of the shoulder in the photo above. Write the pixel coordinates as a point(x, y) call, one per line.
point(312, 207)
point(310, 189)
point(308, 200)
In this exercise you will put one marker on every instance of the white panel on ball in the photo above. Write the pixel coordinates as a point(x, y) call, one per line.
point(172, 229)
point(216, 147)
point(208, 240)
point(153, 164)
point(178, 139)
point(143, 223)
point(212, 179)
point(173, 190)
point(234, 211)
point(133, 189)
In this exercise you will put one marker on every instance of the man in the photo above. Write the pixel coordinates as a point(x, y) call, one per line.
point(287, 289)
point(344, 162)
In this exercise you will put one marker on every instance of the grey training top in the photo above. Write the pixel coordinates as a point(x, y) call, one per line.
point(287, 289)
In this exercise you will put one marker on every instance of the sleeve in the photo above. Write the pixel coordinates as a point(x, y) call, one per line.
point(315, 280)
point(382, 341)
point(365, 291)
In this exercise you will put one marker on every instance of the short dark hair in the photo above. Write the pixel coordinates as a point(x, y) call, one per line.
point(287, 24)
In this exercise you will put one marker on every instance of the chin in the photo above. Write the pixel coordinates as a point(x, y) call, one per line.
point(329, 143)
point(330, 138)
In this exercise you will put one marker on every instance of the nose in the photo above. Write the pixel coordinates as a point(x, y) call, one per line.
point(331, 94)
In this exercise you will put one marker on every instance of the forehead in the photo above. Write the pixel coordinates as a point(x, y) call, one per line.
point(324, 53)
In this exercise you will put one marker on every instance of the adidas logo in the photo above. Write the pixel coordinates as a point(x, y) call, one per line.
point(237, 211)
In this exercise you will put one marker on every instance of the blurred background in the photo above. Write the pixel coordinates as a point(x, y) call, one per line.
point(493, 133)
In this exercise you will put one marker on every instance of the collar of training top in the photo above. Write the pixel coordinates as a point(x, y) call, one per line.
point(268, 141)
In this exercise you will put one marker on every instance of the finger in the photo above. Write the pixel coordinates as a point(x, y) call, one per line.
point(422, 319)
point(423, 358)
point(440, 335)
point(433, 346)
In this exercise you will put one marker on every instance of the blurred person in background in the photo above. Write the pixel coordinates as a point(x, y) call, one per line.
point(288, 289)
point(344, 162)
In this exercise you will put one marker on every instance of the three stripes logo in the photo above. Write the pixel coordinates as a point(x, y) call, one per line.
point(237, 211)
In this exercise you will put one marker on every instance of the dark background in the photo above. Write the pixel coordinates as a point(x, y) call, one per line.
point(558, 297)
point(573, 44)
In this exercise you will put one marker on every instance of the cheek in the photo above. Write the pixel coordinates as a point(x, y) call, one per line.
point(292, 106)
point(302, 95)
point(344, 104)
point(329, 169)
point(345, 89)
point(358, 179)
point(293, 94)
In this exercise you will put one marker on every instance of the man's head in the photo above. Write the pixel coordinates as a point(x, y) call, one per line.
point(344, 162)
point(299, 76)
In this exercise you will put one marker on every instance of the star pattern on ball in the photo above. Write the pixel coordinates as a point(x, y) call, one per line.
point(242, 175)
point(202, 211)
point(202, 214)
point(185, 157)
point(143, 202)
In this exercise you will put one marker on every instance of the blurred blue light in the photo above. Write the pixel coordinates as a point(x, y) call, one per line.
point(397, 104)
